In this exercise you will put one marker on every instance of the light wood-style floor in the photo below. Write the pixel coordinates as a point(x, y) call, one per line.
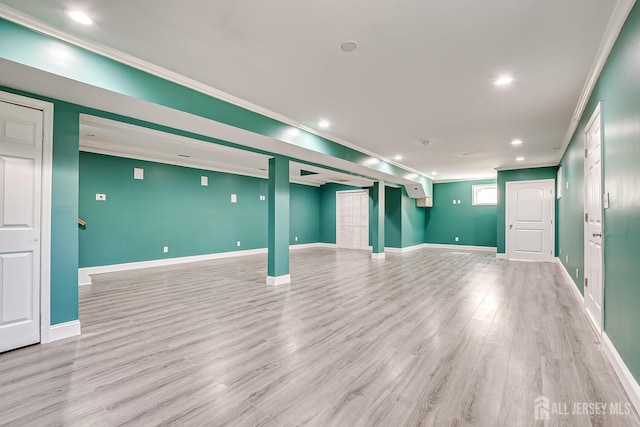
point(426, 338)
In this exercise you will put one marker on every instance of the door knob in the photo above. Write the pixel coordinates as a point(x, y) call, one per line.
point(597, 234)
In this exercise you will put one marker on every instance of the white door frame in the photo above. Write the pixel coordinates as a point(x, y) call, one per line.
point(45, 228)
point(338, 210)
point(597, 112)
point(553, 214)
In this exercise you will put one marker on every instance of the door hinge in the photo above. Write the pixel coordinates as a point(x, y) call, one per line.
point(586, 281)
point(586, 217)
point(586, 153)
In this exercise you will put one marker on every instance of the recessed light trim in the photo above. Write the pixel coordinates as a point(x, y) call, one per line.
point(324, 124)
point(519, 159)
point(434, 173)
point(503, 81)
point(349, 46)
point(516, 142)
point(397, 157)
point(78, 16)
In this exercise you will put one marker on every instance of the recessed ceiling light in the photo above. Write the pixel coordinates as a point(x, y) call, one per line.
point(349, 46)
point(516, 142)
point(324, 124)
point(519, 159)
point(503, 81)
point(371, 161)
point(398, 157)
point(78, 16)
point(434, 173)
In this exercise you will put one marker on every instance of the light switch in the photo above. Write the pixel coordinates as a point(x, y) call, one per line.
point(138, 173)
point(204, 181)
point(234, 198)
point(166, 249)
point(101, 197)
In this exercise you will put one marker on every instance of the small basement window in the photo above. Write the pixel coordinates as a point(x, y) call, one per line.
point(485, 194)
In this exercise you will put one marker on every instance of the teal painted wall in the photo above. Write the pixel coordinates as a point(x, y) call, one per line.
point(619, 90)
point(518, 175)
point(64, 213)
point(413, 220)
point(393, 217)
point(170, 208)
point(304, 214)
point(328, 210)
point(474, 225)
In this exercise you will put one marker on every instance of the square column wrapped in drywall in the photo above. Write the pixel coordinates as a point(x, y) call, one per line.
point(278, 233)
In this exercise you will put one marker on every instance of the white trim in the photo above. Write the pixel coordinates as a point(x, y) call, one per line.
point(531, 166)
point(490, 249)
point(616, 22)
point(622, 371)
point(405, 249)
point(278, 280)
point(501, 256)
point(84, 274)
point(570, 282)
point(64, 330)
point(624, 374)
point(377, 256)
point(312, 245)
point(552, 244)
point(40, 26)
point(45, 215)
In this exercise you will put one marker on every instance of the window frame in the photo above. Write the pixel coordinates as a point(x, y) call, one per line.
point(478, 187)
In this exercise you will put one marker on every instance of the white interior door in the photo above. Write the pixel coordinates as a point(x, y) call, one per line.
point(593, 255)
point(353, 219)
point(530, 212)
point(20, 205)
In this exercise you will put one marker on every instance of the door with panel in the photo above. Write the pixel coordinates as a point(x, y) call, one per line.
point(353, 219)
point(593, 241)
point(530, 220)
point(21, 136)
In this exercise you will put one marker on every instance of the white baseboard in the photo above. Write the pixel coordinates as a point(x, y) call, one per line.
point(501, 256)
point(278, 280)
point(405, 249)
point(63, 330)
point(626, 377)
point(84, 274)
point(571, 283)
point(461, 247)
point(313, 245)
point(377, 256)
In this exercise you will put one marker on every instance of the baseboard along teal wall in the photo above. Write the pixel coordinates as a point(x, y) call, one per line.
point(473, 225)
point(170, 207)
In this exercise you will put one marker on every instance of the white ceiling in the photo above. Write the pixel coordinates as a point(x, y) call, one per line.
point(424, 69)
point(103, 136)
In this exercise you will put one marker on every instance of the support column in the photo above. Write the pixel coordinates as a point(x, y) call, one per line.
point(278, 236)
point(377, 231)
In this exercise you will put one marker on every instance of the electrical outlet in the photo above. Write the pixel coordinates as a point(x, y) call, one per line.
point(262, 197)
point(238, 243)
point(454, 202)
point(457, 239)
point(458, 201)
point(296, 238)
point(234, 199)
point(166, 249)
point(204, 181)
point(101, 197)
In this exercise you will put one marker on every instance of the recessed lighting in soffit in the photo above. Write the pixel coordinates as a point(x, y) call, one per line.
point(349, 45)
point(78, 16)
point(503, 81)
point(519, 159)
point(516, 142)
point(324, 124)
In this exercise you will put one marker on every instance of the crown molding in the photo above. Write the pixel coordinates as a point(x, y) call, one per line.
point(45, 28)
point(616, 22)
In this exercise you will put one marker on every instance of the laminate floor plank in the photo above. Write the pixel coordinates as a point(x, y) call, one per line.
point(430, 337)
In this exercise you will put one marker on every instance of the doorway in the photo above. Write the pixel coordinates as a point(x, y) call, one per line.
point(530, 212)
point(25, 185)
point(352, 219)
point(593, 224)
